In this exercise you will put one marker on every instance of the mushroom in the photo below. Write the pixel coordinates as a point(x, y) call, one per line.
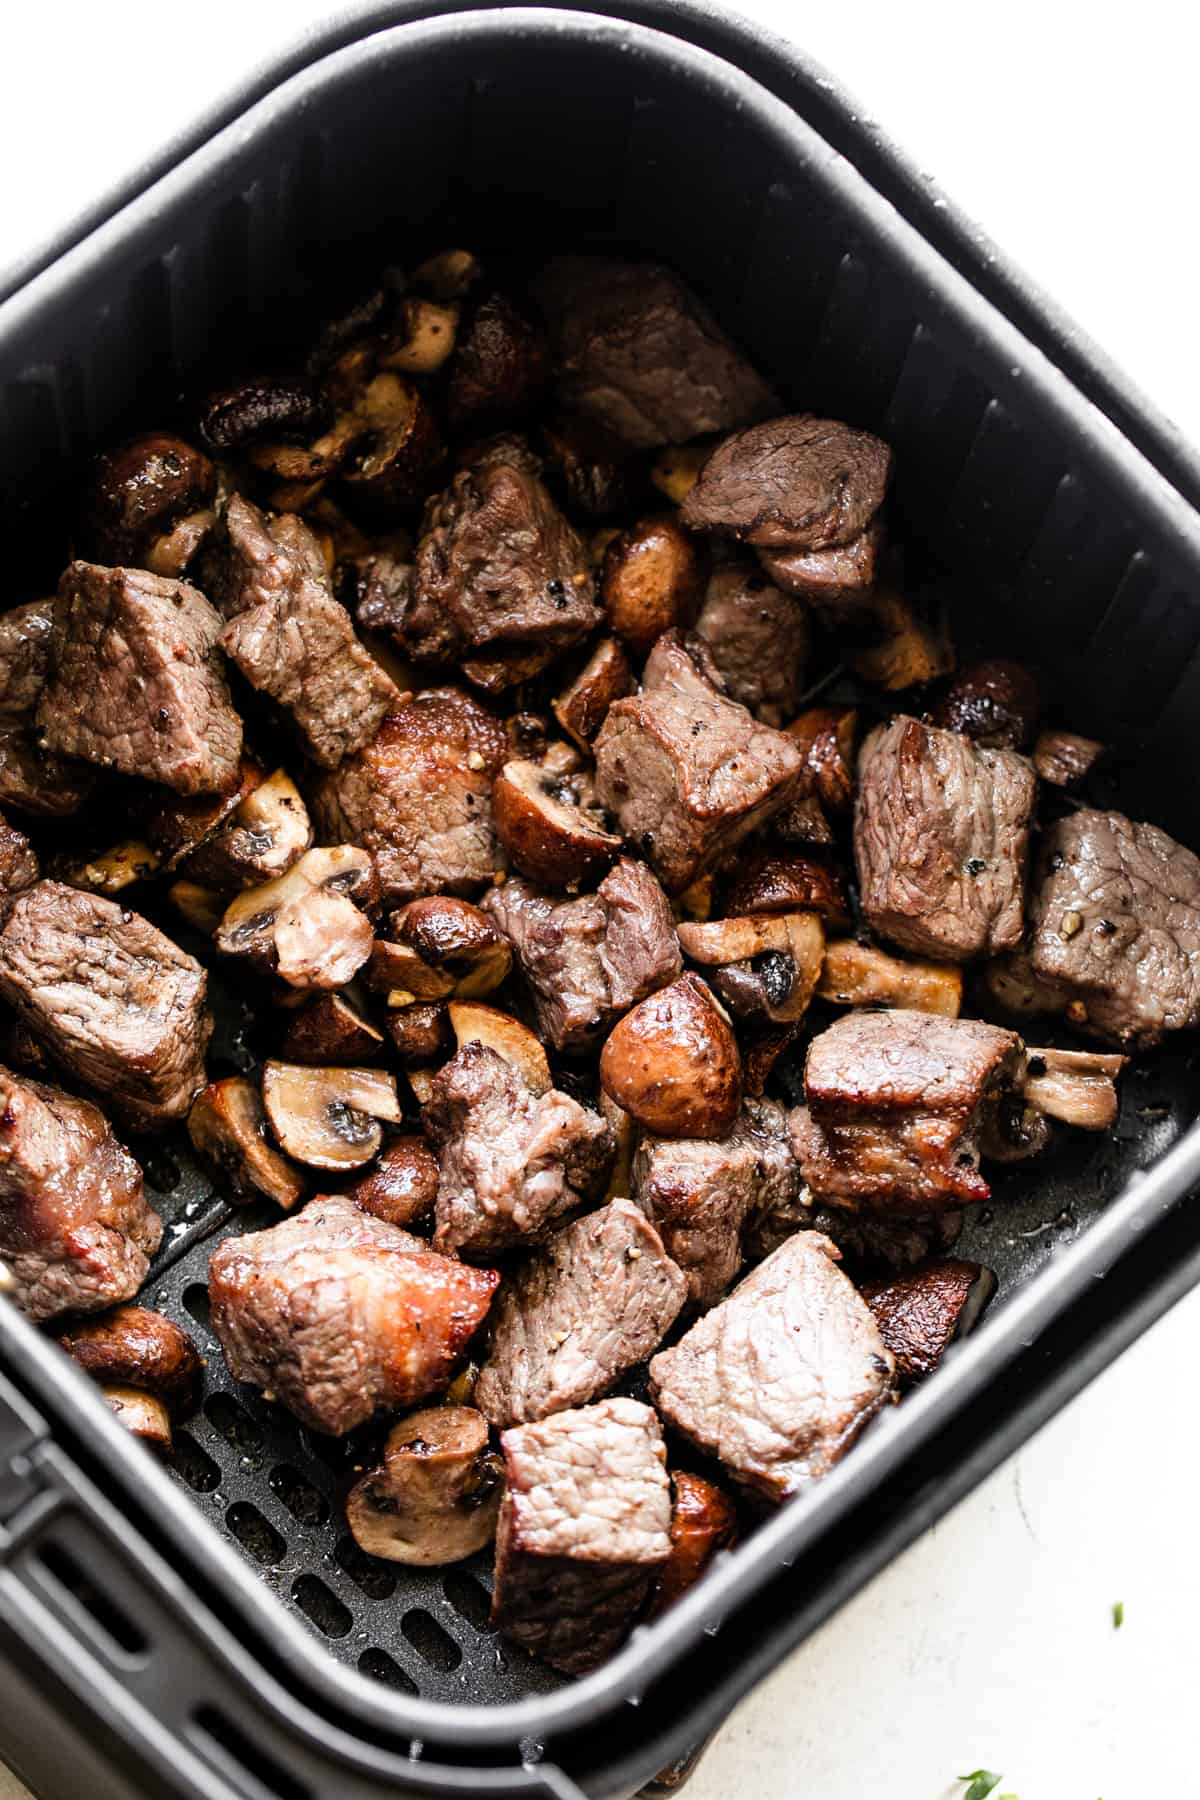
point(143, 1415)
point(228, 1129)
point(652, 578)
point(329, 1118)
point(606, 676)
point(435, 1497)
point(857, 974)
point(422, 338)
point(147, 1368)
point(402, 1185)
point(802, 821)
point(110, 871)
point(261, 408)
point(761, 1052)
point(202, 907)
point(140, 493)
point(448, 275)
point(171, 553)
point(703, 1521)
point(1076, 1086)
point(175, 825)
point(996, 702)
point(437, 947)
point(331, 1029)
point(766, 966)
point(268, 831)
point(299, 472)
point(420, 1033)
point(624, 1130)
point(551, 839)
point(1064, 759)
point(909, 650)
point(795, 882)
point(396, 455)
point(920, 1314)
point(676, 470)
point(827, 737)
point(500, 363)
point(305, 926)
point(698, 898)
point(673, 1063)
point(499, 1031)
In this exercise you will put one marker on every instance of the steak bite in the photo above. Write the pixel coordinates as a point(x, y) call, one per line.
point(136, 683)
point(635, 349)
point(18, 864)
point(32, 780)
point(941, 837)
point(512, 1162)
point(337, 1313)
point(584, 1530)
point(778, 1381)
point(1114, 926)
point(290, 638)
point(114, 1001)
point(700, 1193)
point(587, 961)
point(419, 796)
point(686, 772)
point(759, 637)
point(898, 1103)
point(796, 483)
point(595, 1299)
point(76, 1232)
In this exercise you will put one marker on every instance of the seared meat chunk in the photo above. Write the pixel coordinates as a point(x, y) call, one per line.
point(18, 864)
point(594, 1300)
point(791, 484)
point(941, 837)
point(337, 1313)
point(920, 1314)
point(512, 1161)
point(866, 1240)
point(838, 583)
point(419, 796)
point(115, 1002)
point(701, 1193)
point(31, 779)
point(759, 640)
point(75, 1230)
point(897, 1103)
point(778, 1381)
point(1114, 923)
point(587, 961)
point(381, 589)
point(290, 638)
point(136, 682)
point(497, 567)
point(583, 1531)
point(686, 772)
point(636, 350)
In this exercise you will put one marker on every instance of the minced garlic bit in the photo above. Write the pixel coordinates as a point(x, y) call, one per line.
point(474, 760)
point(1072, 923)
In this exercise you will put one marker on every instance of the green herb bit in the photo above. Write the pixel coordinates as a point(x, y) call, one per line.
point(982, 1781)
point(1118, 1615)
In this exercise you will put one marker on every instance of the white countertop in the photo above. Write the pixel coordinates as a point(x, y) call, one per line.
point(1069, 134)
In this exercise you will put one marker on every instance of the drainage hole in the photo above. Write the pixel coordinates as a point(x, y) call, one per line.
point(375, 1579)
point(306, 1505)
point(469, 1598)
point(323, 1608)
point(434, 1645)
point(234, 1423)
point(194, 1465)
point(334, 1452)
point(381, 1667)
point(196, 1301)
point(254, 1533)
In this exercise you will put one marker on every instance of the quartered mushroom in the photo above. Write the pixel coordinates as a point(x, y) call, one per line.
point(652, 579)
point(143, 1415)
point(550, 837)
point(140, 497)
point(1077, 1087)
point(435, 1497)
point(111, 870)
point(331, 1029)
point(795, 881)
point(855, 974)
point(263, 408)
point(499, 1031)
point(763, 967)
point(420, 1033)
point(401, 1186)
point(827, 738)
point(266, 834)
point(703, 1521)
point(1064, 759)
point(329, 1118)
point(997, 702)
point(147, 1368)
point(606, 676)
point(673, 1063)
point(202, 907)
point(228, 1129)
point(305, 925)
point(437, 947)
point(920, 1314)
point(909, 649)
point(176, 825)
point(396, 456)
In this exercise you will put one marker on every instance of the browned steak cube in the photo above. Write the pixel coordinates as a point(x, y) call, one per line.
point(337, 1313)
point(794, 483)
point(18, 865)
point(874, 1241)
point(941, 839)
point(290, 638)
point(512, 1161)
point(778, 1381)
point(686, 772)
point(897, 1104)
point(701, 1193)
point(587, 961)
point(115, 1002)
point(136, 682)
point(635, 349)
point(584, 1530)
point(1115, 926)
point(759, 639)
point(32, 780)
point(75, 1230)
point(594, 1300)
point(419, 796)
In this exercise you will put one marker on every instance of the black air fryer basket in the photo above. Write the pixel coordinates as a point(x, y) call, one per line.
point(210, 1630)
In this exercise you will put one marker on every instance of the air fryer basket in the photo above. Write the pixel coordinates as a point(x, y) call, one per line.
point(268, 1657)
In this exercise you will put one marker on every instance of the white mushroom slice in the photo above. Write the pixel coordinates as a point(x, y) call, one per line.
point(765, 966)
point(856, 974)
point(144, 1415)
point(499, 1031)
point(202, 907)
point(1076, 1086)
point(550, 838)
point(425, 338)
point(322, 941)
point(305, 925)
point(329, 1117)
point(113, 869)
point(228, 1129)
point(267, 833)
point(435, 1497)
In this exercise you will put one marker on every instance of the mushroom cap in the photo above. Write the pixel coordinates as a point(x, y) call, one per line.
point(435, 1497)
point(551, 839)
point(329, 1117)
point(133, 1347)
point(673, 1063)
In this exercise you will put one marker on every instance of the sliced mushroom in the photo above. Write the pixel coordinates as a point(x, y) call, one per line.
point(676, 470)
point(422, 338)
point(138, 495)
point(143, 1415)
point(305, 926)
point(765, 967)
point(703, 1521)
point(652, 578)
point(827, 738)
point(1064, 759)
point(499, 1031)
point(268, 831)
point(1076, 1086)
point(111, 870)
point(550, 838)
point(397, 454)
point(202, 907)
point(228, 1129)
point(437, 947)
point(170, 553)
point(673, 1063)
point(435, 1497)
point(997, 702)
point(298, 472)
point(402, 1185)
point(582, 706)
point(329, 1118)
point(331, 1029)
point(420, 1033)
point(795, 882)
point(857, 974)
point(175, 825)
point(262, 408)
point(909, 651)
point(920, 1314)
point(133, 1347)
point(803, 821)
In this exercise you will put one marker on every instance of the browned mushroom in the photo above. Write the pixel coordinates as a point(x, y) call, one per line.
point(422, 336)
point(174, 825)
point(673, 1063)
point(703, 1521)
point(110, 870)
point(202, 907)
point(827, 737)
point(764, 966)
point(329, 1118)
point(143, 1415)
point(795, 882)
point(448, 275)
point(676, 470)
point(996, 702)
point(420, 1033)
point(499, 365)
point(297, 473)
point(1076, 1086)
point(288, 407)
point(402, 1185)
point(499, 1031)
point(551, 839)
point(268, 831)
point(593, 471)
point(652, 579)
point(437, 947)
point(606, 676)
point(435, 1497)
point(909, 649)
point(397, 454)
point(331, 1029)
point(140, 493)
point(132, 1347)
point(1065, 759)
point(857, 974)
point(305, 926)
point(920, 1314)
point(227, 1126)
